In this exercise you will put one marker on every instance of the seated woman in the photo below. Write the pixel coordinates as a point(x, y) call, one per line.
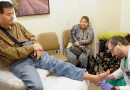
point(81, 35)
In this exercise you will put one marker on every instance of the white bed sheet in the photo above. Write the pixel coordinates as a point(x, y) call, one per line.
point(54, 82)
point(63, 83)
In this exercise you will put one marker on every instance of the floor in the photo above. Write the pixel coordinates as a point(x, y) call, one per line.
point(93, 87)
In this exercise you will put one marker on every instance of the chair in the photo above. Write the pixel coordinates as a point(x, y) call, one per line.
point(49, 41)
point(66, 39)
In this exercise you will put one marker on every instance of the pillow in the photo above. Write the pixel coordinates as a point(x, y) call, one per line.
point(11, 81)
point(70, 44)
point(43, 72)
point(107, 35)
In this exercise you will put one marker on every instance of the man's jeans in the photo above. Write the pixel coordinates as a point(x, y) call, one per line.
point(25, 69)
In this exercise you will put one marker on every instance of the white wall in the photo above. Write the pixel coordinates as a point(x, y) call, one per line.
point(125, 16)
point(104, 15)
point(108, 17)
point(56, 21)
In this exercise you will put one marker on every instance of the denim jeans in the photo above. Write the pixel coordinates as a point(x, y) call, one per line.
point(25, 69)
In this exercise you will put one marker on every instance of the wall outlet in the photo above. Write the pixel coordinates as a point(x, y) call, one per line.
point(68, 21)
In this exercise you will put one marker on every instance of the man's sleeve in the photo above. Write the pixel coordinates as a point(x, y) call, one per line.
point(118, 74)
point(28, 34)
point(14, 52)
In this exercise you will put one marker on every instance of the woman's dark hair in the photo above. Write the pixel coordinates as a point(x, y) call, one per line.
point(86, 18)
point(4, 4)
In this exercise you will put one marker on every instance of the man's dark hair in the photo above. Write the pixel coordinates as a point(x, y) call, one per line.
point(4, 4)
point(115, 39)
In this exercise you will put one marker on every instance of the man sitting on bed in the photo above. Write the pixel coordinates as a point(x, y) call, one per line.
point(24, 67)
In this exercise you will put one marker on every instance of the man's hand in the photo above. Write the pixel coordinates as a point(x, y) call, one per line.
point(76, 43)
point(37, 47)
point(105, 86)
point(39, 54)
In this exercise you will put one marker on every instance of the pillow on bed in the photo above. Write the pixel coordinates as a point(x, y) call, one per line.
point(11, 81)
point(107, 35)
point(70, 44)
point(43, 72)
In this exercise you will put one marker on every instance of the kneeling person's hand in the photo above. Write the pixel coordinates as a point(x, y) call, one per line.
point(105, 86)
point(106, 79)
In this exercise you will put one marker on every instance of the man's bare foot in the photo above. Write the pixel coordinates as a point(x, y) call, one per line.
point(100, 77)
point(96, 78)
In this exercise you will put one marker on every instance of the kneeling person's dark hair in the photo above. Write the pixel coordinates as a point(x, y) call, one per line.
point(115, 39)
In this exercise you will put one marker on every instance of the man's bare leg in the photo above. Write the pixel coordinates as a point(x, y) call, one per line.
point(96, 78)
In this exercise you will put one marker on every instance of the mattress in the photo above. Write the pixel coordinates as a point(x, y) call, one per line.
point(8, 81)
point(63, 83)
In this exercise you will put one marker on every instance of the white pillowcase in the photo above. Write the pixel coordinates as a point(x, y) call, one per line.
point(8, 79)
point(43, 72)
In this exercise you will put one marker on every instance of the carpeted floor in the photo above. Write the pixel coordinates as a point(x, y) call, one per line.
point(93, 87)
